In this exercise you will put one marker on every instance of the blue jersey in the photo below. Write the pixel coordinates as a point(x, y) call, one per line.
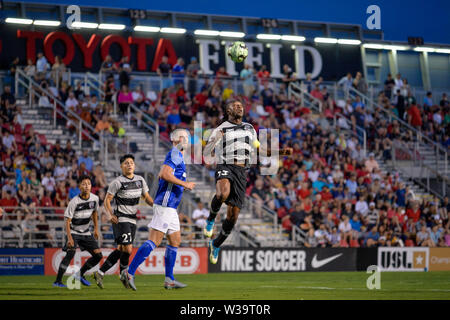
point(169, 194)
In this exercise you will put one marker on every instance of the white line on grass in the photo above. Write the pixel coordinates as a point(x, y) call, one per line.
point(358, 289)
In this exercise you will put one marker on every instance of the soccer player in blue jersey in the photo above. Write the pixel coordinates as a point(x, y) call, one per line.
point(172, 182)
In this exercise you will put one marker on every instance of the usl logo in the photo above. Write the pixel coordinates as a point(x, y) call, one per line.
point(402, 259)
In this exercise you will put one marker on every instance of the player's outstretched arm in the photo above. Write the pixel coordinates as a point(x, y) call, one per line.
point(148, 199)
point(167, 174)
point(95, 221)
point(70, 242)
point(112, 216)
point(283, 152)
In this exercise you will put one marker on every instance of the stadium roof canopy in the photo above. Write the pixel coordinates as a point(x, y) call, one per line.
point(250, 26)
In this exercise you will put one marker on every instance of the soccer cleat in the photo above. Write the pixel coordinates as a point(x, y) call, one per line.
point(208, 229)
point(214, 254)
point(98, 279)
point(129, 279)
point(59, 284)
point(124, 278)
point(173, 284)
point(84, 281)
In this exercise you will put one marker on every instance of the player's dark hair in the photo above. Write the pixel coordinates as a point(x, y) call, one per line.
point(82, 178)
point(125, 157)
point(226, 107)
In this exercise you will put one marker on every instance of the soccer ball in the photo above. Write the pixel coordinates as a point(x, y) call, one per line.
point(238, 51)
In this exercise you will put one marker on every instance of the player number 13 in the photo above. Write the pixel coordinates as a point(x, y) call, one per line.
point(222, 173)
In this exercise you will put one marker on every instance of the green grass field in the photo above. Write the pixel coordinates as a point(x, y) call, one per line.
point(242, 286)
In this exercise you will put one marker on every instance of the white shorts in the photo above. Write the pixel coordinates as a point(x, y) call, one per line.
point(165, 219)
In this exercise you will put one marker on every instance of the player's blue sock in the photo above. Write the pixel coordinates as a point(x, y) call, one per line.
point(169, 259)
point(142, 254)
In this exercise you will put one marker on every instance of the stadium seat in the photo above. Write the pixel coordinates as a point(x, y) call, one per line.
point(17, 129)
point(27, 128)
point(18, 138)
point(6, 126)
point(270, 109)
point(43, 139)
point(281, 212)
point(354, 243)
point(287, 224)
point(409, 243)
point(343, 244)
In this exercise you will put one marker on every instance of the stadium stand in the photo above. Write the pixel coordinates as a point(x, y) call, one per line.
point(335, 161)
point(370, 164)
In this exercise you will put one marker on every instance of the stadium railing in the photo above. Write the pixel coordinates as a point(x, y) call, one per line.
point(400, 150)
point(34, 88)
point(419, 93)
point(12, 233)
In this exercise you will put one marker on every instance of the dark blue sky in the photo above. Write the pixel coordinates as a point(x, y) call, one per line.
point(429, 19)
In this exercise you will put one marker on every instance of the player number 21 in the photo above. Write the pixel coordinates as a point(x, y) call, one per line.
point(126, 236)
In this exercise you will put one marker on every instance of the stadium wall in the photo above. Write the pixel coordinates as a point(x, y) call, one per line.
point(331, 259)
point(39, 261)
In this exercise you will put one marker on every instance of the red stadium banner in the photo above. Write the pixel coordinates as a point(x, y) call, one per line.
point(189, 260)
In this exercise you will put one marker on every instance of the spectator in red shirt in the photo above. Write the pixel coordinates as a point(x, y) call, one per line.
point(8, 201)
point(200, 100)
point(304, 192)
point(400, 214)
point(326, 194)
point(317, 94)
point(307, 205)
point(414, 116)
point(221, 74)
point(61, 196)
point(46, 202)
point(263, 76)
point(414, 212)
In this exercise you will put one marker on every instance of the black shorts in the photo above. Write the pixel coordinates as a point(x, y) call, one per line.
point(238, 182)
point(124, 232)
point(87, 243)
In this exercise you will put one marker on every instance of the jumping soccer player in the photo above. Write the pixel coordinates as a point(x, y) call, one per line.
point(126, 190)
point(78, 215)
point(239, 140)
point(172, 182)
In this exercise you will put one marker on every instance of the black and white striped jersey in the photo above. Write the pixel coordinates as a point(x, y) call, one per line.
point(236, 145)
point(127, 194)
point(80, 211)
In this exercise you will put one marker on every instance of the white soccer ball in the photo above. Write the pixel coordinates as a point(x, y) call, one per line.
point(238, 51)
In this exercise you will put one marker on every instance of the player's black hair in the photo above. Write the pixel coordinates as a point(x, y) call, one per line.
point(226, 106)
point(125, 157)
point(82, 178)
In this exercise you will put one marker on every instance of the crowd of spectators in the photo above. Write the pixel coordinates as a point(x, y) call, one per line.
point(428, 116)
point(330, 188)
point(38, 178)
